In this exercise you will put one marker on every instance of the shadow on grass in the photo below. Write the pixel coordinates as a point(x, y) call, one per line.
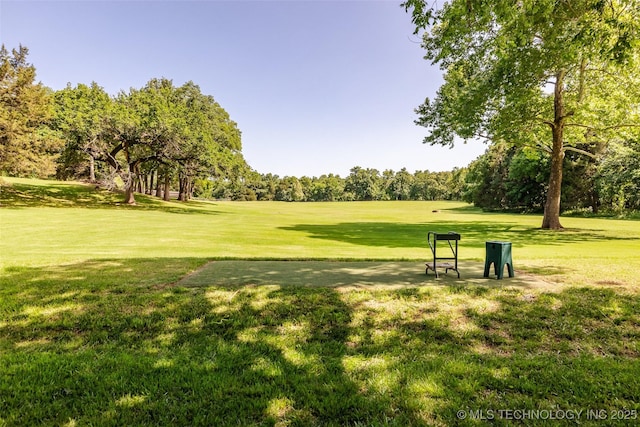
point(356, 274)
point(74, 195)
point(474, 233)
point(121, 342)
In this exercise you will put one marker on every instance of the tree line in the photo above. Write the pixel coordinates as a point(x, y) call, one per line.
point(163, 140)
point(361, 184)
point(154, 138)
point(508, 177)
point(504, 178)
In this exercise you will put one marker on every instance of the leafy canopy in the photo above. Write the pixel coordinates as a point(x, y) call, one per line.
point(27, 145)
point(549, 73)
point(502, 58)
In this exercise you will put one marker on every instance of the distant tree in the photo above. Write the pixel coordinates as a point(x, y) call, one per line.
point(290, 190)
point(365, 184)
point(527, 177)
point(445, 186)
point(307, 187)
point(268, 186)
point(579, 178)
point(399, 185)
point(361, 184)
point(210, 142)
point(423, 185)
point(508, 177)
point(487, 179)
point(556, 74)
point(618, 177)
point(131, 141)
point(80, 116)
point(28, 147)
point(328, 188)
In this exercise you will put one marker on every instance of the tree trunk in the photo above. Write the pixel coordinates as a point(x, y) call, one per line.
point(129, 197)
point(130, 182)
point(140, 183)
point(595, 202)
point(152, 183)
point(551, 219)
point(92, 168)
point(166, 188)
point(149, 183)
point(158, 187)
point(182, 194)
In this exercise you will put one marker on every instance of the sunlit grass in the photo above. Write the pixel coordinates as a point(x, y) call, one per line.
point(179, 315)
point(588, 251)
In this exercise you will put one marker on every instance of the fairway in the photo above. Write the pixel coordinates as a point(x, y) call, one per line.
point(266, 313)
point(48, 224)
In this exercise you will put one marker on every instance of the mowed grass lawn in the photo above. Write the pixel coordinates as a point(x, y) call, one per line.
point(266, 313)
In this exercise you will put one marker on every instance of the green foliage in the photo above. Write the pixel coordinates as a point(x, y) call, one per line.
point(173, 134)
point(552, 74)
point(364, 184)
point(500, 56)
point(27, 146)
point(361, 184)
point(618, 179)
point(512, 178)
point(398, 185)
point(580, 191)
point(528, 175)
point(486, 181)
point(328, 188)
point(80, 115)
point(290, 190)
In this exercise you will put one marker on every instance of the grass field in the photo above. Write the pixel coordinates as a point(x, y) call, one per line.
point(187, 314)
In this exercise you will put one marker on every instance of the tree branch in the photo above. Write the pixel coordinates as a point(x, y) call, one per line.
point(540, 146)
point(578, 125)
point(581, 87)
point(484, 136)
point(551, 124)
point(577, 150)
point(621, 125)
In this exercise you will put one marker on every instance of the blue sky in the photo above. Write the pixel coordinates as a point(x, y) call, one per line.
point(315, 86)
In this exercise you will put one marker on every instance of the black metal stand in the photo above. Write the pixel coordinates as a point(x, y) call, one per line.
point(433, 238)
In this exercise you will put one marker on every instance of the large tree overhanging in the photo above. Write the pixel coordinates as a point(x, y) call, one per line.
point(555, 74)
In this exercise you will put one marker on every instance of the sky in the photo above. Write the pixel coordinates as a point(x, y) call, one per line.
point(315, 86)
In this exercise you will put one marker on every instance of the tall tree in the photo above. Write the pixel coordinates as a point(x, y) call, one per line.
point(555, 74)
point(399, 184)
point(27, 146)
point(129, 138)
point(185, 131)
point(365, 184)
point(210, 140)
point(79, 114)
